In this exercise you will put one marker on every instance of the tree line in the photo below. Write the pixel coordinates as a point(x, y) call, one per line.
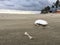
point(47, 9)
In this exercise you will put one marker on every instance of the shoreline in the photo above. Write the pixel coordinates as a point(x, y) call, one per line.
point(7, 11)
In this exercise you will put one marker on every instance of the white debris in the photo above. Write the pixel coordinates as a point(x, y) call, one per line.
point(42, 22)
point(30, 37)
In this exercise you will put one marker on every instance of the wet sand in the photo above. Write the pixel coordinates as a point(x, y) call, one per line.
point(13, 26)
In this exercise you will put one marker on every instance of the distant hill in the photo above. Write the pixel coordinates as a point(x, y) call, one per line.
point(29, 5)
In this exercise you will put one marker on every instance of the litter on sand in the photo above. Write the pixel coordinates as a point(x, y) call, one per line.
point(40, 22)
point(30, 37)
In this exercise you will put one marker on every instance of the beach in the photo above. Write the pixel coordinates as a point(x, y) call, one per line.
point(13, 26)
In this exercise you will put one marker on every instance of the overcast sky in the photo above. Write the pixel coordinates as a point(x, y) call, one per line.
point(25, 4)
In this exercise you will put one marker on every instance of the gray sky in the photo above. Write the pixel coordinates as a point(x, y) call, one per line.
point(25, 4)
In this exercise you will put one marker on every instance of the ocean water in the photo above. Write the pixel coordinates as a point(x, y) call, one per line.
point(26, 5)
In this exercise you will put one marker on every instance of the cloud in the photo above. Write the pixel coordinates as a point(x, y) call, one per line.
point(25, 4)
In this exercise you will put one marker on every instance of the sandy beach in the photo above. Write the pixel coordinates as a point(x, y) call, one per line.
point(13, 26)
